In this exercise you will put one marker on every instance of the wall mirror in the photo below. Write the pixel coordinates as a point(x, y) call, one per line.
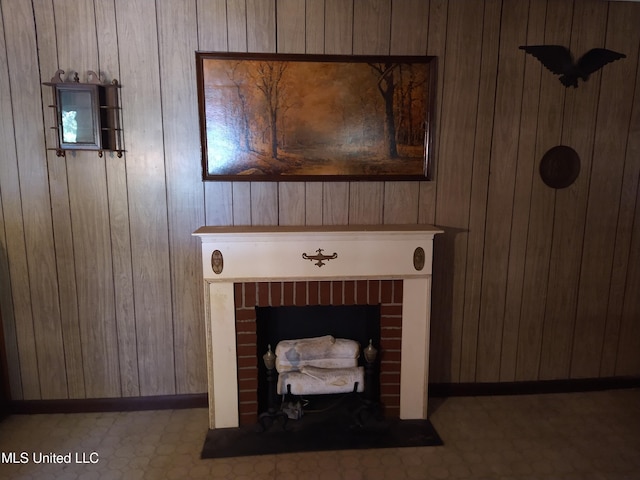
point(79, 125)
point(87, 114)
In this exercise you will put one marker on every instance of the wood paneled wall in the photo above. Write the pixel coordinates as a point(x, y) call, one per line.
point(100, 291)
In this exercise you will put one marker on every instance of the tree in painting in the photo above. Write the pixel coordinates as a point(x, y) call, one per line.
point(386, 84)
point(237, 76)
point(270, 82)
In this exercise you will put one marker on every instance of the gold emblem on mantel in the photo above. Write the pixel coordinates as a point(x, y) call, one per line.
point(320, 258)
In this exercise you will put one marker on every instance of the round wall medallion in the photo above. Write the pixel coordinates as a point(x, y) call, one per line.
point(217, 263)
point(418, 258)
point(560, 167)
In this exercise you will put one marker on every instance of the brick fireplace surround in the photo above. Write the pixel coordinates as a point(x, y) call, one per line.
point(386, 293)
point(245, 267)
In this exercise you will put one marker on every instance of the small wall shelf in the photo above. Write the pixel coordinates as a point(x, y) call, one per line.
point(87, 114)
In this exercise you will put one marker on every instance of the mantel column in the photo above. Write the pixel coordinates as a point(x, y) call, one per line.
point(222, 367)
point(414, 364)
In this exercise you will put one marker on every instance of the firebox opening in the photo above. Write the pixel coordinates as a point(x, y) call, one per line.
point(273, 324)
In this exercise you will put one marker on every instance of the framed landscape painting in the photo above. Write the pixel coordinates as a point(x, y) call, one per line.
point(315, 117)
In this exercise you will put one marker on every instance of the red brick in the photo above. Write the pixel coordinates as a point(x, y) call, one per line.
point(325, 293)
point(397, 291)
point(276, 294)
point(245, 338)
point(387, 343)
point(247, 396)
point(245, 326)
point(390, 322)
point(246, 350)
point(301, 293)
point(250, 294)
point(349, 292)
point(389, 390)
point(361, 292)
point(390, 356)
point(313, 293)
point(392, 411)
point(263, 294)
point(238, 298)
point(391, 333)
point(386, 291)
point(243, 314)
point(336, 292)
point(248, 418)
point(287, 296)
point(386, 310)
point(247, 362)
point(248, 383)
point(390, 377)
point(374, 292)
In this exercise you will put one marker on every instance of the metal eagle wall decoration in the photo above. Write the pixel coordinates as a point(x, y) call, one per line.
point(558, 60)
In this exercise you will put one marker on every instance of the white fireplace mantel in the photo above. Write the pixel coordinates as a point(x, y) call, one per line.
point(247, 254)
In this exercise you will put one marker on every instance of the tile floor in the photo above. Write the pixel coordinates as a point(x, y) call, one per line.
point(561, 436)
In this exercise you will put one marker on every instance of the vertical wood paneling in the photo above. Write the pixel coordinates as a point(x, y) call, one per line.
point(589, 22)
point(338, 39)
point(335, 203)
point(366, 203)
point(13, 301)
point(620, 275)
point(185, 195)
point(527, 164)
point(623, 353)
point(86, 177)
point(142, 122)
point(212, 36)
point(241, 203)
point(529, 282)
point(601, 234)
point(313, 203)
point(291, 203)
point(60, 211)
point(457, 123)
point(261, 26)
point(291, 39)
point(314, 26)
point(264, 203)
point(8, 333)
point(540, 226)
point(436, 46)
point(261, 37)
point(481, 317)
point(212, 25)
point(400, 203)
point(338, 27)
point(116, 177)
point(409, 27)
point(291, 26)
point(47, 378)
point(627, 358)
point(408, 36)
point(237, 25)
point(372, 26)
point(314, 44)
